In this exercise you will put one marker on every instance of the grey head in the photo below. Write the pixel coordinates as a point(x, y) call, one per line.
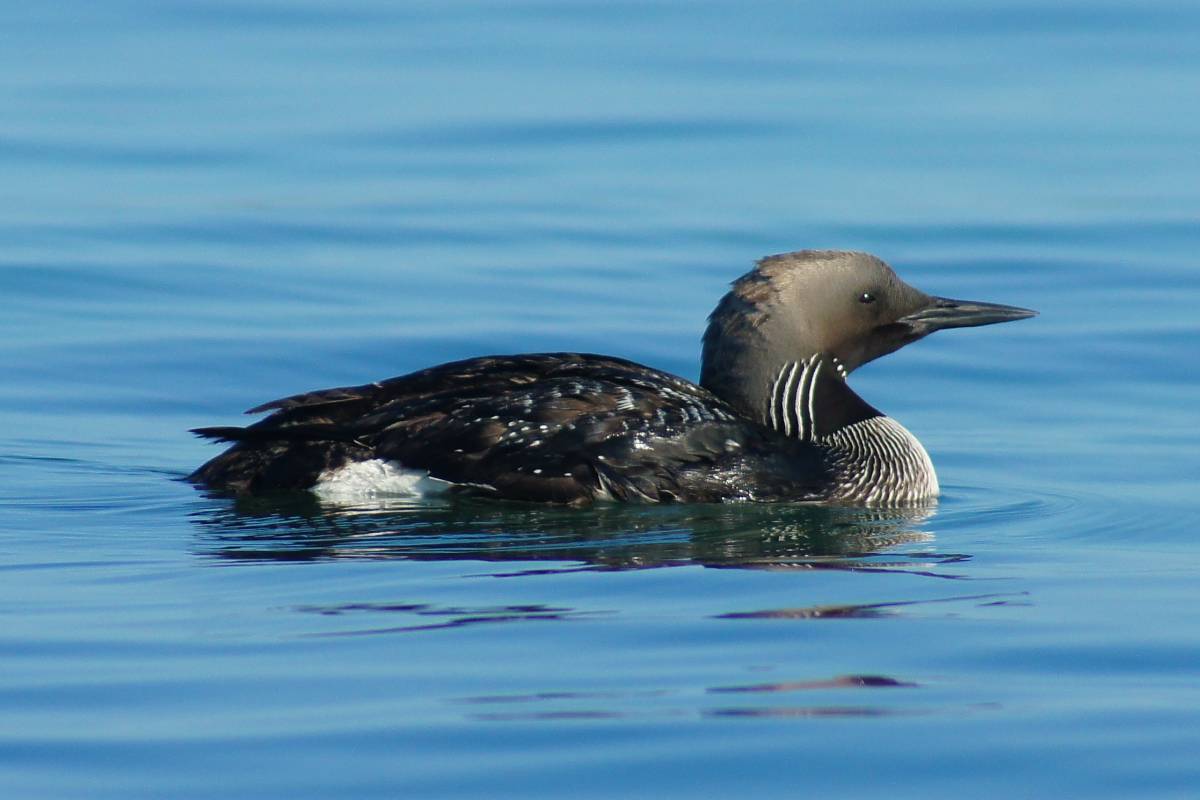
point(842, 308)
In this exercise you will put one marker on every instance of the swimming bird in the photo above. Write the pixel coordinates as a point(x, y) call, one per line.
point(772, 419)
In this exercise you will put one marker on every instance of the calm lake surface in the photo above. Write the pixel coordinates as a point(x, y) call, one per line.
point(209, 205)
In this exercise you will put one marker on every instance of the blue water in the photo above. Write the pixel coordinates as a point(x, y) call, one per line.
point(208, 205)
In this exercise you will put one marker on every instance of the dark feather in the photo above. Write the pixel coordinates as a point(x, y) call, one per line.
point(558, 427)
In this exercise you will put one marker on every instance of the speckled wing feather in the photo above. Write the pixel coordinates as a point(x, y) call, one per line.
point(560, 427)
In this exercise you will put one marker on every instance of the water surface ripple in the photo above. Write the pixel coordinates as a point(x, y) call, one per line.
point(206, 206)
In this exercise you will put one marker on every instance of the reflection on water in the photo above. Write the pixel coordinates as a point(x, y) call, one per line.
point(299, 528)
point(430, 617)
point(865, 610)
point(552, 706)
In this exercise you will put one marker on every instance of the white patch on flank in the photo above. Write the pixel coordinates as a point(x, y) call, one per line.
point(367, 480)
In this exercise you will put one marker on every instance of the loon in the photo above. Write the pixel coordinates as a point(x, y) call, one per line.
point(772, 419)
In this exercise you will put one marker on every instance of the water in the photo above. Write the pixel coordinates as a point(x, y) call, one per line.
point(206, 206)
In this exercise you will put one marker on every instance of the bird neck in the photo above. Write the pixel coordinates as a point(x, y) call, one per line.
point(874, 458)
point(806, 399)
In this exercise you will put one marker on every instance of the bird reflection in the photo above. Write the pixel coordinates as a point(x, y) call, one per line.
point(298, 527)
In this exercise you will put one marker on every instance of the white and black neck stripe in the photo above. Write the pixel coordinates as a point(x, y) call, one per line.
point(875, 459)
point(797, 393)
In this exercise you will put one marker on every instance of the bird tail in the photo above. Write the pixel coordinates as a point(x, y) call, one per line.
point(316, 431)
point(221, 434)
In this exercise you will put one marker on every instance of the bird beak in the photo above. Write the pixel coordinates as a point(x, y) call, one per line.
point(943, 312)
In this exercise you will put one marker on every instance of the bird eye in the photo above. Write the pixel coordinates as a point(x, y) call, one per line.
point(866, 297)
